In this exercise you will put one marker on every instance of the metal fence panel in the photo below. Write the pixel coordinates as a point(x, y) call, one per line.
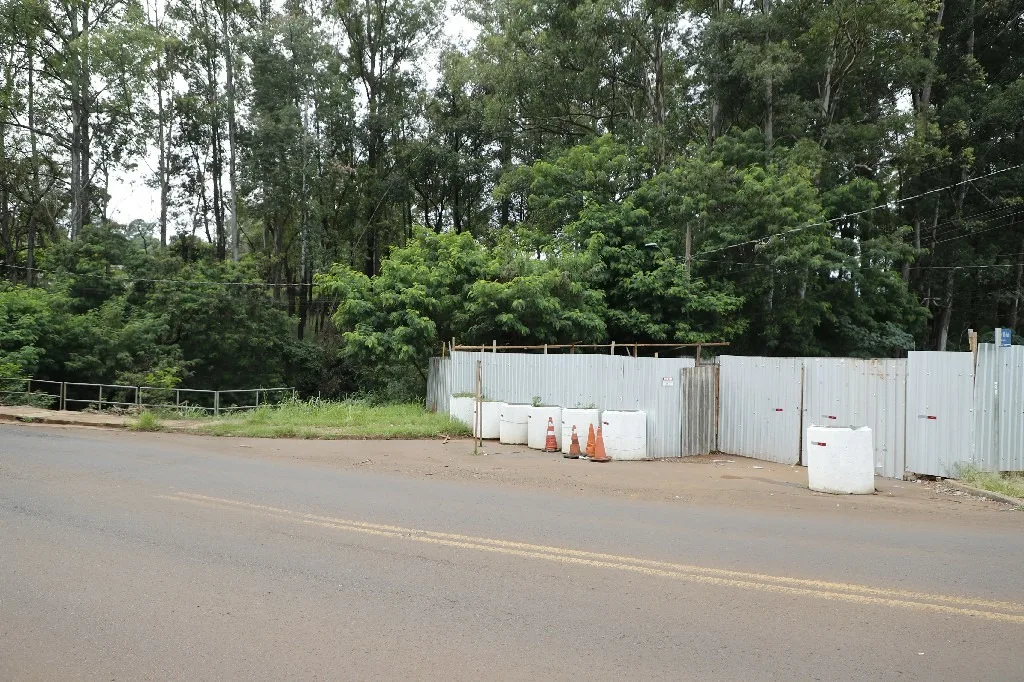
point(854, 392)
point(606, 382)
point(437, 384)
point(999, 408)
point(940, 419)
point(699, 388)
point(759, 407)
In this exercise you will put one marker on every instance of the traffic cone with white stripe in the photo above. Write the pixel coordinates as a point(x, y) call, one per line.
point(551, 443)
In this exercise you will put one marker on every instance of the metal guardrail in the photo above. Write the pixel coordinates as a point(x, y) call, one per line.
point(117, 395)
point(31, 387)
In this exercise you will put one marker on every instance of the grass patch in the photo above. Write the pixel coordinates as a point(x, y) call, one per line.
point(1011, 484)
point(344, 419)
point(147, 421)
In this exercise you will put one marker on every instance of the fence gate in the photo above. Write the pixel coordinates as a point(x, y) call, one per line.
point(940, 424)
point(759, 411)
point(699, 400)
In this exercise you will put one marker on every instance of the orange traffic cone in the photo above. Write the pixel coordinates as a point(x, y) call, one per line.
point(574, 446)
point(599, 454)
point(550, 444)
point(591, 442)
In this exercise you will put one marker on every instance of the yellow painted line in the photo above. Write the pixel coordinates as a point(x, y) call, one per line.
point(710, 576)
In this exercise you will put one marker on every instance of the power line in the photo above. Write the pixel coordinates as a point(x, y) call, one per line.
point(857, 213)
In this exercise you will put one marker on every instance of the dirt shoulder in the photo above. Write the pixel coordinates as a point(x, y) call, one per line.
point(723, 480)
point(36, 415)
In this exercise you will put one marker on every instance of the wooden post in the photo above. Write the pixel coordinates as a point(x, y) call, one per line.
point(656, 355)
point(613, 349)
point(698, 355)
point(636, 350)
point(494, 346)
point(216, 403)
point(972, 337)
point(101, 397)
point(478, 416)
point(63, 396)
point(545, 349)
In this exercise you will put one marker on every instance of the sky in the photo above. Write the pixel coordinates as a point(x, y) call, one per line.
point(132, 199)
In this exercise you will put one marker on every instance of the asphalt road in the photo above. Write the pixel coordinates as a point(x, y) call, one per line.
point(128, 558)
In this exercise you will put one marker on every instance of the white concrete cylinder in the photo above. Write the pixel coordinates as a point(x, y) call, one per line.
point(512, 429)
point(537, 425)
point(840, 460)
point(582, 420)
point(462, 409)
point(625, 434)
point(490, 426)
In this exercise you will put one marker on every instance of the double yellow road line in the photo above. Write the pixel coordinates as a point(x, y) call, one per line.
point(1007, 612)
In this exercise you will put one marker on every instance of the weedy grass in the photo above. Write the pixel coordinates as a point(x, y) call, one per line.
point(147, 421)
point(336, 419)
point(1011, 484)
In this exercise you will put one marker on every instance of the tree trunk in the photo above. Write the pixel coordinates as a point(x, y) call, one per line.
point(6, 219)
point(230, 82)
point(216, 153)
point(505, 157)
point(76, 128)
point(715, 123)
point(163, 130)
point(1015, 310)
point(304, 275)
point(925, 98)
point(947, 313)
point(86, 96)
point(769, 94)
point(34, 150)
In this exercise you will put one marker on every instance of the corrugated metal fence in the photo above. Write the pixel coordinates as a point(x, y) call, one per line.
point(940, 419)
point(759, 413)
point(607, 382)
point(928, 413)
point(999, 408)
point(854, 392)
point(699, 396)
point(437, 384)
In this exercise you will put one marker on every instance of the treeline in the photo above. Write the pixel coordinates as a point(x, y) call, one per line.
point(793, 176)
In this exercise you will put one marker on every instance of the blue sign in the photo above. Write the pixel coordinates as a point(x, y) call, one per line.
point(1005, 339)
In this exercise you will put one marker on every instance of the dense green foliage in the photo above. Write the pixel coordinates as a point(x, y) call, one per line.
point(341, 188)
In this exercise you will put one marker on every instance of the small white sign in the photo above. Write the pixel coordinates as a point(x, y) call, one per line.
point(668, 381)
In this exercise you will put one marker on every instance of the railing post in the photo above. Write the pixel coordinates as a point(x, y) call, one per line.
point(177, 398)
point(101, 397)
point(28, 387)
point(63, 395)
point(216, 403)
